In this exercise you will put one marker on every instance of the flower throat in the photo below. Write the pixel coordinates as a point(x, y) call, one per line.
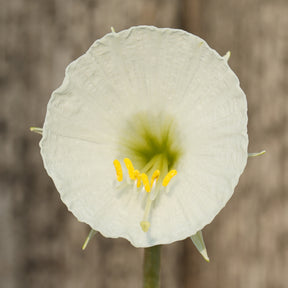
point(150, 142)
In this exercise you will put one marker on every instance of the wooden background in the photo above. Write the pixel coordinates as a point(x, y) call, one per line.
point(40, 242)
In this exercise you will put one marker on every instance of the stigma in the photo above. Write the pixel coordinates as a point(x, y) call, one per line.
point(142, 183)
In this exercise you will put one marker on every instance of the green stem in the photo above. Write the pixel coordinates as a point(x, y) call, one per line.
point(151, 267)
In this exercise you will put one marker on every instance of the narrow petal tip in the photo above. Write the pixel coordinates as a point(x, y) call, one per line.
point(256, 154)
point(205, 255)
point(199, 243)
point(36, 130)
point(89, 237)
point(226, 57)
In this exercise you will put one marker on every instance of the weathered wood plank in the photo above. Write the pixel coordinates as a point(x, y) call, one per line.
point(247, 242)
point(40, 240)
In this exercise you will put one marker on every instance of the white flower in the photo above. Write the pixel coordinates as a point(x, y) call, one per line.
point(157, 100)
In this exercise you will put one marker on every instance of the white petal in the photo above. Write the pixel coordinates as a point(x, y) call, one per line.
point(146, 69)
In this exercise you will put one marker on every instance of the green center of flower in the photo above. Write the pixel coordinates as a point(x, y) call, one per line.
point(151, 142)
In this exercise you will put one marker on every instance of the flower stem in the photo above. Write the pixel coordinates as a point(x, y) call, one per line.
point(151, 267)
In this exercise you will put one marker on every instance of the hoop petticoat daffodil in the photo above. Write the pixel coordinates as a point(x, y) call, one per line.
point(146, 138)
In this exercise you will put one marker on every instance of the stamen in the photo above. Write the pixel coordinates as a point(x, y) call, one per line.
point(137, 177)
point(130, 168)
point(118, 168)
point(141, 179)
point(142, 193)
point(145, 181)
point(155, 176)
point(154, 191)
point(135, 187)
point(168, 177)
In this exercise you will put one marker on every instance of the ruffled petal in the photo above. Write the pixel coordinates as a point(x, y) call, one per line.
point(156, 71)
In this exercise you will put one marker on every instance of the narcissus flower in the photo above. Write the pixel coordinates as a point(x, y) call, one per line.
point(147, 136)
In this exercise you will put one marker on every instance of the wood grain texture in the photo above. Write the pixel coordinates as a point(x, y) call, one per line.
point(248, 241)
point(40, 243)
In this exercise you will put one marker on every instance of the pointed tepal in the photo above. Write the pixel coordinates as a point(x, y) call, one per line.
point(226, 57)
point(256, 154)
point(36, 130)
point(198, 241)
point(89, 237)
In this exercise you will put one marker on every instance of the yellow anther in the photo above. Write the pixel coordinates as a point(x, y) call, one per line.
point(155, 176)
point(118, 169)
point(168, 177)
point(130, 168)
point(137, 177)
point(145, 181)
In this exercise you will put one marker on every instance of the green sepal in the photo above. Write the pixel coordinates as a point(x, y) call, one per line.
point(89, 237)
point(36, 130)
point(256, 154)
point(198, 241)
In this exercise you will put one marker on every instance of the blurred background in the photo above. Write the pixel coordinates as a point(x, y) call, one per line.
point(40, 241)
